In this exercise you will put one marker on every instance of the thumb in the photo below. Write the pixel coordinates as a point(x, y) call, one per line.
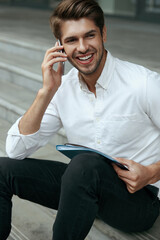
point(124, 161)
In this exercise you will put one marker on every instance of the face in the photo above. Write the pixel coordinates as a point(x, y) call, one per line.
point(84, 45)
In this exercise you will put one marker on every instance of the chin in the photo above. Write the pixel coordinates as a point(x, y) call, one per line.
point(87, 71)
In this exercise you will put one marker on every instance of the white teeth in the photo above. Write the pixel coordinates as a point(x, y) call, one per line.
point(85, 58)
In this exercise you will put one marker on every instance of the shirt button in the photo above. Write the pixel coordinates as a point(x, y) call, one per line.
point(97, 119)
point(98, 141)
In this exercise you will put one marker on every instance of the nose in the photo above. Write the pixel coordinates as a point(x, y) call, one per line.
point(82, 46)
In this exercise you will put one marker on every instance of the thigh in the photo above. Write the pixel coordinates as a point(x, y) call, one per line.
point(123, 210)
point(34, 180)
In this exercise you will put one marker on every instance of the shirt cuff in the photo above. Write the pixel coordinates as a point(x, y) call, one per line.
point(30, 140)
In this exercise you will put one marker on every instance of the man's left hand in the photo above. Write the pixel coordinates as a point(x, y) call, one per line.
point(136, 178)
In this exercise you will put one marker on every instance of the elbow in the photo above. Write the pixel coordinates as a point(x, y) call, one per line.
point(12, 149)
point(13, 155)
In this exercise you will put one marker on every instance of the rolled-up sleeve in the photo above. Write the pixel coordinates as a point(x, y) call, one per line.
point(19, 146)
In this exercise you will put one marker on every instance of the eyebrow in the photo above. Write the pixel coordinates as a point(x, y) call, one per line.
point(87, 33)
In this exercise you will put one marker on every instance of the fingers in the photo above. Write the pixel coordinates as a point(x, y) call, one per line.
point(53, 60)
point(121, 172)
point(54, 55)
point(125, 177)
point(137, 176)
point(130, 189)
point(124, 161)
point(129, 177)
point(56, 48)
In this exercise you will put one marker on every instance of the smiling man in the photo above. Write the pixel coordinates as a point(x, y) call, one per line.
point(103, 103)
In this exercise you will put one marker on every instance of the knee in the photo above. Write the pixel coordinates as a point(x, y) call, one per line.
point(5, 166)
point(83, 168)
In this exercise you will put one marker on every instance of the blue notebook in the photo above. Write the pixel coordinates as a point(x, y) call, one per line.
point(71, 150)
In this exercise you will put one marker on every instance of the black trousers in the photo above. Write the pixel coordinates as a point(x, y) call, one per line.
point(82, 190)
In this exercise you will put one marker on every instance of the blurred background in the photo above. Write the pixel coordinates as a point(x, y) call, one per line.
point(148, 10)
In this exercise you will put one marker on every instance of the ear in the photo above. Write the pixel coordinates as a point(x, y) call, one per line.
point(104, 34)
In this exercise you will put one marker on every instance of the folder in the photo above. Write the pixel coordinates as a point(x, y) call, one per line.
point(71, 150)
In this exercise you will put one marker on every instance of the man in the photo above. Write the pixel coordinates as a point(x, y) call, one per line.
point(103, 103)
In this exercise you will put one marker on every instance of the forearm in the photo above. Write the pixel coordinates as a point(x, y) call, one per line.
point(30, 122)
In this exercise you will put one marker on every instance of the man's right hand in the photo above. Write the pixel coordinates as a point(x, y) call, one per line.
point(51, 77)
point(30, 122)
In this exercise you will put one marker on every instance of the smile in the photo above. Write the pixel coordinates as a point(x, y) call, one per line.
point(85, 58)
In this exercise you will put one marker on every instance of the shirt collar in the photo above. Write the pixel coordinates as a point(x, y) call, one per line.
point(106, 74)
point(83, 85)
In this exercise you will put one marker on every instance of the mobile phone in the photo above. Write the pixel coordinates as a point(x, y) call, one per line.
point(62, 63)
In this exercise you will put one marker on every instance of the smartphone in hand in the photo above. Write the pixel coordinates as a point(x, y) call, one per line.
point(62, 63)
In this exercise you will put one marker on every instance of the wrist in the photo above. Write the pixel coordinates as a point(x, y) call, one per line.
point(154, 172)
point(45, 93)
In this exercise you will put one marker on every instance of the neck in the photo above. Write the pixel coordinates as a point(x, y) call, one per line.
point(92, 78)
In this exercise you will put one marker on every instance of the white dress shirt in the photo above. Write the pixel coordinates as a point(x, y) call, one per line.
point(123, 120)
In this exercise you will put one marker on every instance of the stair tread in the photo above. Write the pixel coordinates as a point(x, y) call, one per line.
point(30, 221)
point(26, 23)
point(23, 99)
point(12, 59)
point(4, 126)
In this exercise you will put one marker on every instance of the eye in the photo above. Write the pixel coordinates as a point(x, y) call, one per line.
point(72, 40)
point(91, 35)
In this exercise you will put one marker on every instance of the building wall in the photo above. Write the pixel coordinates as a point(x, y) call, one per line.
point(148, 10)
point(116, 7)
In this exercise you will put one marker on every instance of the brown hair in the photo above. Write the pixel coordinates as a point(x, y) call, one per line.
point(74, 10)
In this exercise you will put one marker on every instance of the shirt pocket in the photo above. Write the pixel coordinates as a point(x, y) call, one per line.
point(124, 128)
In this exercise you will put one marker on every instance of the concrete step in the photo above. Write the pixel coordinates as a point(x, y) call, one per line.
point(112, 233)
point(4, 126)
point(17, 71)
point(20, 47)
point(20, 97)
point(31, 221)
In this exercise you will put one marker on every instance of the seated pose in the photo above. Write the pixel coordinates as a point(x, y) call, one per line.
point(103, 103)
